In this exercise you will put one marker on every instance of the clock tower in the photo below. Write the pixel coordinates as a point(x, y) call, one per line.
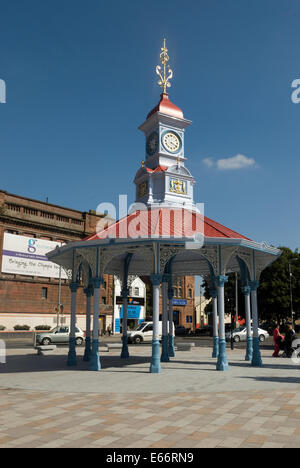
point(163, 179)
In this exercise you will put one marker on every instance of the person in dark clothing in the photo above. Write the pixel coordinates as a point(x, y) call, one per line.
point(288, 340)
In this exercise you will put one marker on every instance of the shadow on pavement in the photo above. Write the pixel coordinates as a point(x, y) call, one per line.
point(52, 363)
point(288, 380)
point(266, 366)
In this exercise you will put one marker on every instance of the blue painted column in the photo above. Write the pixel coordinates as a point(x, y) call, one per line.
point(171, 328)
point(94, 358)
point(155, 367)
point(249, 352)
point(256, 358)
point(72, 358)
point(222, 364)
point(125, 294)
point(214, 294)
point(87, 352)
point(165, 337)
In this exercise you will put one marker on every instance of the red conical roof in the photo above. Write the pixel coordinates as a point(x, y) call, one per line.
point(165, 106)
point(161, 222)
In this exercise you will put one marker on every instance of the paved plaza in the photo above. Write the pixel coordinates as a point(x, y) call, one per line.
point(189, 405)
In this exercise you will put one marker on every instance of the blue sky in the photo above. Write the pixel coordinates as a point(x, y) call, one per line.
point(81, 78)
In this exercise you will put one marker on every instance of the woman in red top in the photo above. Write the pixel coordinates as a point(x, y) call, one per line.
point(277, 337)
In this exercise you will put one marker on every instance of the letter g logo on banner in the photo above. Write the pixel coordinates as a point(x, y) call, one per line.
point(31, 246)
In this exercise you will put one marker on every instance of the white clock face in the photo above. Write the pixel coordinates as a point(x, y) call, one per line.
point(171, 142)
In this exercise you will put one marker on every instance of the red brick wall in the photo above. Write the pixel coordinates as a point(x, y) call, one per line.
point(187, 282)
point(23, 294)
point(26, 297)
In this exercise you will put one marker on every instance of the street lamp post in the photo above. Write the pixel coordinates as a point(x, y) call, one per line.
point(232, 316)
point(291, 289)
point(236, 299)
point(59, 297)
point(201, 306)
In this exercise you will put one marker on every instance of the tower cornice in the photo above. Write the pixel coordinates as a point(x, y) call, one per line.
point(164, 119)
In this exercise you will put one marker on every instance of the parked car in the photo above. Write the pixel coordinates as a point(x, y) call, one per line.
point(59, 335)
point(204, 331)
point(240, 334)
point(144, 332)
point(180, 330)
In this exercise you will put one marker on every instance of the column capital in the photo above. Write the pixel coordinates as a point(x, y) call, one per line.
point(254, 285)
point(246, 290)
point(156, 279)
point(74, 287)
point(221, 280)
point(166, 278)
point(97, 282)
point(88, 291)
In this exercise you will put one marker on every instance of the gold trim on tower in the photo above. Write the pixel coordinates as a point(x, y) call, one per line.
point(178, 186)
point(143, 189)
point(164, 73)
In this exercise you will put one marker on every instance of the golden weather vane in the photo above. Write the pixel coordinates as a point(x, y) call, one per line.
point(165, 73)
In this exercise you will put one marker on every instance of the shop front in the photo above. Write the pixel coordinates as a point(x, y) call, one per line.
point(134, 318)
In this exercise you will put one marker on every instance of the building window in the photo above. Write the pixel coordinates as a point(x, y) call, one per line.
point(76, 221)
point(44, 293)
point(45, 214)
point(190, 294)
point(136, 291)
point(12, 207)
point(30, 211)
point(104, 285)
point(175, 292)
point(62, 219)
point(179, 292)
point(103, 300)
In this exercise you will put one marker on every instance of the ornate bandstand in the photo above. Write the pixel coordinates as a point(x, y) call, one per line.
point(165, 235)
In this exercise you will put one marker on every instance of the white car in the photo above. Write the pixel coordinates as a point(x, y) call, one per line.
point(144, 333)
point(59, 335)
point(240, 334)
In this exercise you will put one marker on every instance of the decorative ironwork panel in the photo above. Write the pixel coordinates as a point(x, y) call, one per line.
point(166, 253)
point(211, 254)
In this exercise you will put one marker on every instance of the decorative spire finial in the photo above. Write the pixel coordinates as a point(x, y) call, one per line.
point(165, 73)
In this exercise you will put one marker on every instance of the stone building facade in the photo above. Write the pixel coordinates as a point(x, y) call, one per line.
point(26, 300)
point(184, 312)
point(183, 302)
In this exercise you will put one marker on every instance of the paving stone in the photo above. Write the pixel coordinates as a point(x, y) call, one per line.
point(242, 413)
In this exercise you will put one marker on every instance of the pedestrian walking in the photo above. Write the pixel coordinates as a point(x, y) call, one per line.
point(277, 338)
point(288, 341)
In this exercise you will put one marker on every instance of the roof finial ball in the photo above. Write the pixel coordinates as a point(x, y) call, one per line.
point(165, 73)
point(143, 164)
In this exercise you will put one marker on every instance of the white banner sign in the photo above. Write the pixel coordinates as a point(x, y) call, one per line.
point(27, 256)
